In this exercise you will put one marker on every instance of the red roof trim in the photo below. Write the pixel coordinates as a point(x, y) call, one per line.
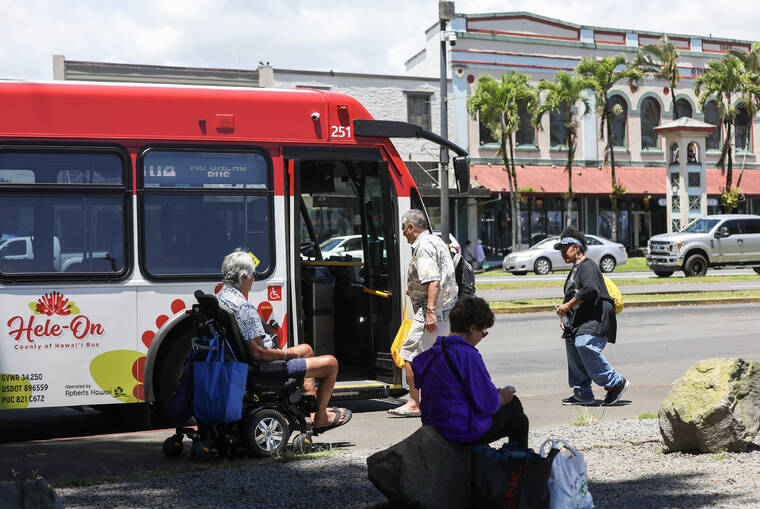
point(523, 34)
point(528, 17)
point(531, 66)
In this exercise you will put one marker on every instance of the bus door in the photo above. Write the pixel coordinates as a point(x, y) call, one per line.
point(344, 268)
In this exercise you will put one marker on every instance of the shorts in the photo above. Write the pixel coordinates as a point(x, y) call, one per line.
point(296, 368)
point(420, 339)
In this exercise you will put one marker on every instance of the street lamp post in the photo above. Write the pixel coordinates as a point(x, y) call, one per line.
point(445, 14)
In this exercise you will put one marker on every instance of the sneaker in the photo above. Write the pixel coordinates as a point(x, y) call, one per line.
point(614, 393)
point(572, 400)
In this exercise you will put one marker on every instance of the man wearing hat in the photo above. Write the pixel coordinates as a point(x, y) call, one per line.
point(589, 323)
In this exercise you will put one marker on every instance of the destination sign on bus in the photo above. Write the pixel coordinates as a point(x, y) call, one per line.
point(204, 169)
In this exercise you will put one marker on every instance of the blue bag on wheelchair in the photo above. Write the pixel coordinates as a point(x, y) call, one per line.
point(219, 385)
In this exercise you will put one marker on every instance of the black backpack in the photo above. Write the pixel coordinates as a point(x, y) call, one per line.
point(464, 275)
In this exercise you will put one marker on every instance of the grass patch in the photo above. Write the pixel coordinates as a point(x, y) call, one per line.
point(720, 457)
point(646, 416)
point(186, 465)
point(516, 285)
point(637, 297)
point(585, 416)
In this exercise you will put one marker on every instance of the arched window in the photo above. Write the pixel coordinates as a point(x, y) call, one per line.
point(650, 118)
point(712, 117)
point(683, 109)
point(743, 127)
point(526, 133)
point(674, 153)
point(692, 153)
point(557, 127)
point(619, 122)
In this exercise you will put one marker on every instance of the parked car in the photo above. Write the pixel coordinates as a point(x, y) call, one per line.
point(352, 245)
point(17, 249)
point(343, 245)
point(727, 240)
point(542, 258)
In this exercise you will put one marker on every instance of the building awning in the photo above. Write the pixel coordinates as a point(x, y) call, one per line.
point(592, 181)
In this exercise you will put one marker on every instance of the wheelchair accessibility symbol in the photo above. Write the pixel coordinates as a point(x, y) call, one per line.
point(274, 293)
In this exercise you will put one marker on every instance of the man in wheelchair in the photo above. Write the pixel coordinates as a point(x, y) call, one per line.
point(238, 275)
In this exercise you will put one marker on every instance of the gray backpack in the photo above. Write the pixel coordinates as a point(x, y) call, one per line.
point(464, 274)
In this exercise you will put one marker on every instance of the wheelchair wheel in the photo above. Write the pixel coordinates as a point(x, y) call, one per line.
point(266, 433)
point(303, 443)
point(173, 446)
point(202, 451)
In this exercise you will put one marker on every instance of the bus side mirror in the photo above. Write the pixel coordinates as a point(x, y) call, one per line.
point(462, 173)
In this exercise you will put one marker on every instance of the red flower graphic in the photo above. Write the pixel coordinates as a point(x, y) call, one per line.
point(55, 304)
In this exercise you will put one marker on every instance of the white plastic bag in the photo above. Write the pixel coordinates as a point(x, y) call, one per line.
point(568, 481)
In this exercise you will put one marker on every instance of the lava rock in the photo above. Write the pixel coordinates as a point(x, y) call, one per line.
point(28, 495)
point(714, 406)
point(423, 471)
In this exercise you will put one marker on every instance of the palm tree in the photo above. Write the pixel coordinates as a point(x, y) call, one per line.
point(751, 61)
point(604, 74)
point(726, 80)
point(661, 60)
point(562, 95)
point(497, 104)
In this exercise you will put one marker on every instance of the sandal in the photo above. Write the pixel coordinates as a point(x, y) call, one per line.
point(336, 422)
point(399, 412)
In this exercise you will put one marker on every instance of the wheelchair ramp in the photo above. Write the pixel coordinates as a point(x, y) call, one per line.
point(362, 389)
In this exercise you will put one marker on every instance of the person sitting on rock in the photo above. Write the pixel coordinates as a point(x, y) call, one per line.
point(460, 398)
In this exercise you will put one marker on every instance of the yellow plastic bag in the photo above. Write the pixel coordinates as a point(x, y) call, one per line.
point(615, 295)
point(401, 335)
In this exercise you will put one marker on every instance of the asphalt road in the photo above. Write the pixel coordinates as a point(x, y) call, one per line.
point(655, 346)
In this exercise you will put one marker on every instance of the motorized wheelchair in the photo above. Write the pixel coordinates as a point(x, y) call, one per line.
point(273, 406)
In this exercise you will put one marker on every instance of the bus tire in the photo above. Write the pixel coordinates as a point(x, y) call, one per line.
point(166, 377)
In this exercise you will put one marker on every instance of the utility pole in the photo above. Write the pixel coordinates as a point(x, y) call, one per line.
point(445, 14)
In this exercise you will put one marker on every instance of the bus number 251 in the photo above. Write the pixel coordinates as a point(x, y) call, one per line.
point(340, 131)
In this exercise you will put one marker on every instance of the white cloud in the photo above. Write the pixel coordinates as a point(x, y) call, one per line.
point(343, 35)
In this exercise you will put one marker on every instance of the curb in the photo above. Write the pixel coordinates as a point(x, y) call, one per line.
point(649, 304)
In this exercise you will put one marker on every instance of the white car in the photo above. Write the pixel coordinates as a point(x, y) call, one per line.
point(542, 258)
point(352, 245)
point(341, 246)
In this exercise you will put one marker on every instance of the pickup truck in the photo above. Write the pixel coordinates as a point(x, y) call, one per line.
point(717, 241)
point(21, 248)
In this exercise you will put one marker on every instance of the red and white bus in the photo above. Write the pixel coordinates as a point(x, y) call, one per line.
point(117, 202)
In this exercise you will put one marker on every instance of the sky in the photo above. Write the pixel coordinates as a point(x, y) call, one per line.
point(367, 36)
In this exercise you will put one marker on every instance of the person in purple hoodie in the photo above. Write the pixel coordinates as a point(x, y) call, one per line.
point(460, 398)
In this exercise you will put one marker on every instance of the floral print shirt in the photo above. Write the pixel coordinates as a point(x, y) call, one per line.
point(431, 261)
point(247, 317)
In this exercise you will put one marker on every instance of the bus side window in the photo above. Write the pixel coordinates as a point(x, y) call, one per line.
point(81, 228)
point(200, 205)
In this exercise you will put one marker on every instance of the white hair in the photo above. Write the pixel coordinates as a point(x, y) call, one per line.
point(416, 218)
point(235, 265)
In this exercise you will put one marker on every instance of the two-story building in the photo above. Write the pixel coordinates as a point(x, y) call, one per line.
point(539, 47)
